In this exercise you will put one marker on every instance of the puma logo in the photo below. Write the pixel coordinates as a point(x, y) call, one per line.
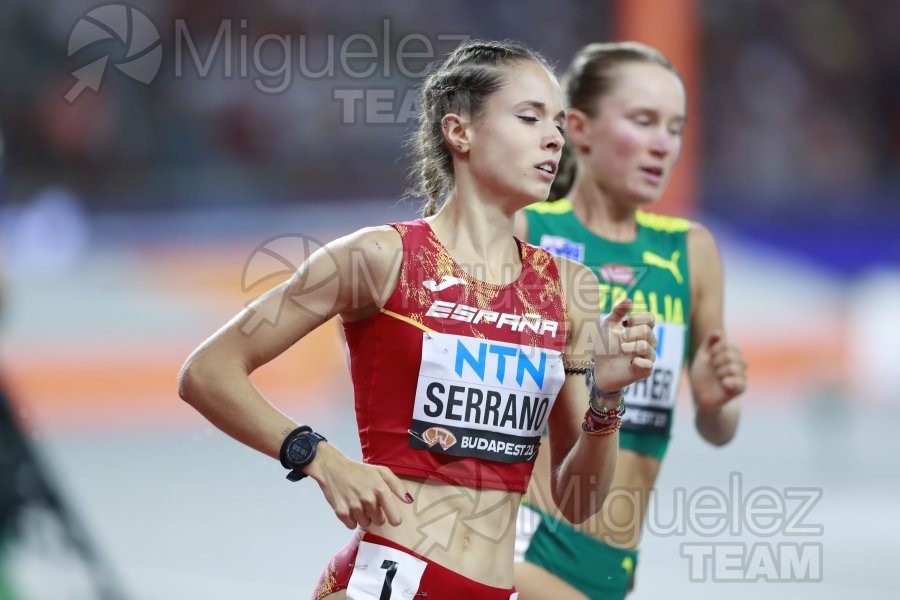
point(446, 281)
point(671, 265)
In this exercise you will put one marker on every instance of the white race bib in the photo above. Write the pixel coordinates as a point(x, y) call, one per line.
point(482, 398)
point(384, 573)
point(649, 402)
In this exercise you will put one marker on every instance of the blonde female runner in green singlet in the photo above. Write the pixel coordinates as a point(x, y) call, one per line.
point(625, 117)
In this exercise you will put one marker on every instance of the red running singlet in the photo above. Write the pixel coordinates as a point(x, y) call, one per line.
point(454, 378)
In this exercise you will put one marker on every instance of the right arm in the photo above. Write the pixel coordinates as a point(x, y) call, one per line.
point(581, 465)
point(215, 379)
point(717, 370)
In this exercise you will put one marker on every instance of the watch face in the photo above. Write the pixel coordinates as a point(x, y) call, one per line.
point(300, 450)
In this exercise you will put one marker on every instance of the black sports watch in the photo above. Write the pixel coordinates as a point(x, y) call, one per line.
point(298, 450)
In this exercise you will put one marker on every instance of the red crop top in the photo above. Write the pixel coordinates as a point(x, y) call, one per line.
point(454, 378)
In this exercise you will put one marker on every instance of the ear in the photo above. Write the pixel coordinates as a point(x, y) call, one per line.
point(577, 125)
point(456, 132)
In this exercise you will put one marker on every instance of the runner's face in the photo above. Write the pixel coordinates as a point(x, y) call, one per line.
point(516, 142)
point(634, 139)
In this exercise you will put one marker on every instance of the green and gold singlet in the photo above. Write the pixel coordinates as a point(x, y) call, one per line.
point(652, 270)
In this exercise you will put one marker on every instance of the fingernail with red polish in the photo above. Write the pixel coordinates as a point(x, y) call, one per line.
point(408, 497)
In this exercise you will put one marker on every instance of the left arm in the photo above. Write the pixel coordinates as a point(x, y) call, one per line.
point(716, 370)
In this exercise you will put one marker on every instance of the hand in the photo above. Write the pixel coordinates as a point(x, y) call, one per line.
point(360, 494)
point(717, 373)
point(625, 351)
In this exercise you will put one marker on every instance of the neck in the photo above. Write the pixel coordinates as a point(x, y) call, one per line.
point(479, 236)
point(601, 213)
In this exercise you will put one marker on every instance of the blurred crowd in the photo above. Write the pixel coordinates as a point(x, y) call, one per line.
point(255, 124)
point(801, 103)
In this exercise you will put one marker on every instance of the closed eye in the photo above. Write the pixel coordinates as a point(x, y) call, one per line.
point(530, 119)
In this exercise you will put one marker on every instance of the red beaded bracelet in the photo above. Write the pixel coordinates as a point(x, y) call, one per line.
point(598, 427)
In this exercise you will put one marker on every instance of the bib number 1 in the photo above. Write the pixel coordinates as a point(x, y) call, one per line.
point(384, 573)
point(391, 567)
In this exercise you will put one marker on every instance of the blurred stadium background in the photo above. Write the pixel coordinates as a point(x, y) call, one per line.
point(138, 219)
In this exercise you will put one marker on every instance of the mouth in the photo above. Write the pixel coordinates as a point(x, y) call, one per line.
point(547, 168)
point(654, 174)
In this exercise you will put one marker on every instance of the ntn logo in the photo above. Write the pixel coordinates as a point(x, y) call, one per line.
point(483, 355)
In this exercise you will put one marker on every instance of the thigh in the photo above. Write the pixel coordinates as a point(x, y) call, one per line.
point(535, 583)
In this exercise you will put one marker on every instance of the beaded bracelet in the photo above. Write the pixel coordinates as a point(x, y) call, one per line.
point(606, 414)
point(601, 410)
point(600, 420)
point(595, 427)
point(578, 367)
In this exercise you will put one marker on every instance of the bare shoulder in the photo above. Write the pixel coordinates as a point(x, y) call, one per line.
point(372, 242)
point(373, 246)
point(701, 245)
point(705, 265)
point(369, 260)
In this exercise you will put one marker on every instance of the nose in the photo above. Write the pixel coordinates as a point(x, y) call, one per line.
point(554, 139)
point(663, 143)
